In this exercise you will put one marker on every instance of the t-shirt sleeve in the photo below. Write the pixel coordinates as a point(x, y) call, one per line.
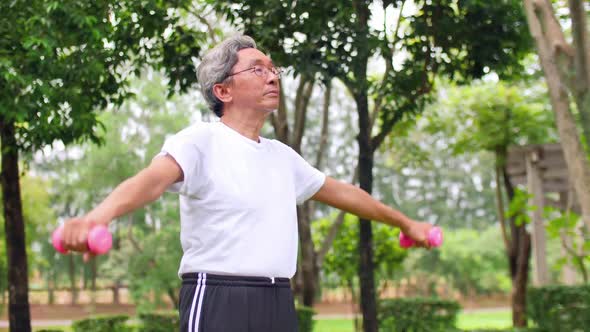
point(186, 153)
point(308, 179)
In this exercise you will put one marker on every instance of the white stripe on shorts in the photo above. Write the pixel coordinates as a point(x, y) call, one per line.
point(201, 301)
point(192, 312)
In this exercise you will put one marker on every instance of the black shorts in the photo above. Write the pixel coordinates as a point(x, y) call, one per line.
point(216, 303)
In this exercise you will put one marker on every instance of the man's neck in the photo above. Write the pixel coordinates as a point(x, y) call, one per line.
point(248, 125)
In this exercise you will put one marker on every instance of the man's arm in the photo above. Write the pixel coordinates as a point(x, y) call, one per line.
point(352, 199)
point(133, 193)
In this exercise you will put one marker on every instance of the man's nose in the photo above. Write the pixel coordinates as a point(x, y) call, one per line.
point(272, 78)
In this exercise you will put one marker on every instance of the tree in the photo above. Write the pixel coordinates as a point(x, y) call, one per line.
point(567, 71)
point(334, 38)
point(495, 116)
point(62, 62)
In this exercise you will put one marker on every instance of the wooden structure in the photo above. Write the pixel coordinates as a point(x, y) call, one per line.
point(542, 169)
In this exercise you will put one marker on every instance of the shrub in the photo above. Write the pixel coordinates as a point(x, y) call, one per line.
point(305, 319)
point(560, 308)
point(418, 315)
point(102, 324)
point(159, 322)
point(505, 330)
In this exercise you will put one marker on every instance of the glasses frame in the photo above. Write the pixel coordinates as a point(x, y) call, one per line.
point(260, 71)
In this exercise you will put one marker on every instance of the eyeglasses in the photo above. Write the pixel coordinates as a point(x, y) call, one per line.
point(261, 71)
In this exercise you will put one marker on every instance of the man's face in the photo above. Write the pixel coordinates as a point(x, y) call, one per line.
point(257, 87)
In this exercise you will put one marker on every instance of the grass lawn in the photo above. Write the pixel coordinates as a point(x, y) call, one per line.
point(333, 325)
point(492, 319)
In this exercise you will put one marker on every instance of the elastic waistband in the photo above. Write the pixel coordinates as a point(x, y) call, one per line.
point(225, 280)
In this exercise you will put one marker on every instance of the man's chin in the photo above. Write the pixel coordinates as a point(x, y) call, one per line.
point(271, 107)
point(267, 111)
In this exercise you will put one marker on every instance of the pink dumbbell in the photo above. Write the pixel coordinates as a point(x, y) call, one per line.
point(99, 240)
point(435, 238)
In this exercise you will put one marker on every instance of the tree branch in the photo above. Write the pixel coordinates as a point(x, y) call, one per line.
point(301, 102)
point(500, 207)
point(279, 119)
point(130, 236)
point(210, 30)
point(325, 126)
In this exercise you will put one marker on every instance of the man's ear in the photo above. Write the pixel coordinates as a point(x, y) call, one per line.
point(222, 92)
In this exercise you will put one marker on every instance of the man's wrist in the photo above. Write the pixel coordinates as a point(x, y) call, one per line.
point(96, 218)
point(404, 224)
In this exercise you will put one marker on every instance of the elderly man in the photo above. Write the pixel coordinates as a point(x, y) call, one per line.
point(238, 193)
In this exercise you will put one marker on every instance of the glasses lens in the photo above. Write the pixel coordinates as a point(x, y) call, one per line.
point(260, 71)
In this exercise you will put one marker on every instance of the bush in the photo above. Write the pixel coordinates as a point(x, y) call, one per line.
point(418, 315)
point(560, 308)
point(505, 330)
point(159, 322)
point(50, 331)
point(102, 324)
point(305, 319)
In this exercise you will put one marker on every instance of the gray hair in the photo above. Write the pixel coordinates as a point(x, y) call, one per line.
point(217, 65)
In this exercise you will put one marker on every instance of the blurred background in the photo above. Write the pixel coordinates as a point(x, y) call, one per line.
point(471, 115)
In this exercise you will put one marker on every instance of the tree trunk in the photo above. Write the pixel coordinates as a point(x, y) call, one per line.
point(93, 279)
point(51, 289)
point(581, 66)
point(72, 273)
point(366, 264)
point(116, 295)
point(307, 255)
point(552, 50)
point(500, 201)
point(368, 298)
point(519, 259)
point(18, 279)
point(539, 241)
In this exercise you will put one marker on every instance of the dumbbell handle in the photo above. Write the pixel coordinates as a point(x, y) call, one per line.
point(435, 238)
point(99, 240)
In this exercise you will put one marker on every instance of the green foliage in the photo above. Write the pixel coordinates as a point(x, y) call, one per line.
point(568, 225)
point(152, 269)
point(493, 117)
point(61, 62)
point(505, 330)
point(305, 320)
point(159, 322)
point(468, 268)
point(418, 315)
point(519, 207)
point(102, 324)
point(341, 261)
point(50, 330)
point(331, 38)
point(560, 308)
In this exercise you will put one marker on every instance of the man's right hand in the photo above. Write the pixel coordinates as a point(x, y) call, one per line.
point(75, 234)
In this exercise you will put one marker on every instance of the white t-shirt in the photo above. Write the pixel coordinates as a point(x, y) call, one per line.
point(238, 201)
